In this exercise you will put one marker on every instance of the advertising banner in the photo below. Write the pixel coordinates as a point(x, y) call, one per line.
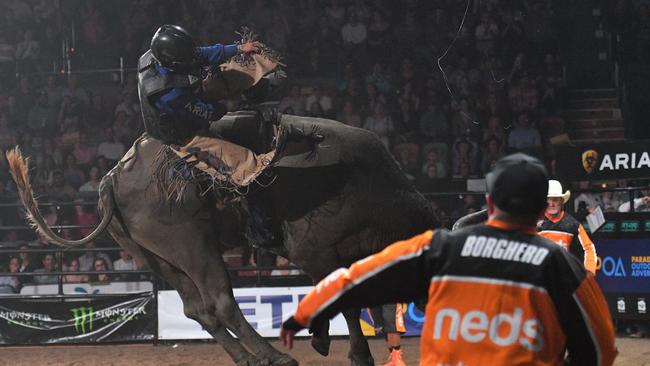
point(265, 308)
point(630, 159)
point(623, 273)
point(38, 321)
point(92, 288)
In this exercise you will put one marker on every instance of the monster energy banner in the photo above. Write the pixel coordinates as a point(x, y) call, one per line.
point(37, 321)
point(604, 161)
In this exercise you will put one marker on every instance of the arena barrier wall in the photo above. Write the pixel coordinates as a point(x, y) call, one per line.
point(33, 320)
point(265, 308)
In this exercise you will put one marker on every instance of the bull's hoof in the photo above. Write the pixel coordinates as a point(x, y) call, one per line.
point(247, 361)
point(321, 344)
point(283, 360)
point(361, 361)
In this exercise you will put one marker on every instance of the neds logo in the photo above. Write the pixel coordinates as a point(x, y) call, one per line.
point(504, 329)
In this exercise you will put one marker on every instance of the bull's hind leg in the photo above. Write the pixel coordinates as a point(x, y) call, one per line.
point(193, 306)
point(359, 351)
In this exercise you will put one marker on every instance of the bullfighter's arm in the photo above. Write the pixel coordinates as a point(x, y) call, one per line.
point(396, 274)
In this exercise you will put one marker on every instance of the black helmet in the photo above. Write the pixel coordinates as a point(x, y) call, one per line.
point(173, 47)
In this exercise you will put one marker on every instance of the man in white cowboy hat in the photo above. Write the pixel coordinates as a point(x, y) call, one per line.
point(560, 227)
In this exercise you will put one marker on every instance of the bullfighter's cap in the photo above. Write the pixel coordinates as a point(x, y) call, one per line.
point(518, 184)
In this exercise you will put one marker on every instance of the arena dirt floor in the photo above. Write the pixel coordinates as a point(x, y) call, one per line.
point(631, 352)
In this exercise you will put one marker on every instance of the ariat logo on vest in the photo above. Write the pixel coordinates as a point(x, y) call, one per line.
point(198, 110)
point(504, 329)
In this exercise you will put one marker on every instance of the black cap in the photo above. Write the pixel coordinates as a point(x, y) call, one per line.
point(518, 184)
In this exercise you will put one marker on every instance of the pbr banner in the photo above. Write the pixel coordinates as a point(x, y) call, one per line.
point(265, 308)
point(604, 161)
point(38, 321)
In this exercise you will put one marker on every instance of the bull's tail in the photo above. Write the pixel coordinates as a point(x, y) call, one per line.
point(19, 167)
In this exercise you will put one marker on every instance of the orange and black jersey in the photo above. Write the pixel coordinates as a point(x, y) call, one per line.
point(570, 234)
point(497, 294)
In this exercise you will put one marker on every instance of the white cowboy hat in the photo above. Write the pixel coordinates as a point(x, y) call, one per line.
point(555, 190)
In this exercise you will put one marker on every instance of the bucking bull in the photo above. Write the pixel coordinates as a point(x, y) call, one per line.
point(342, 200)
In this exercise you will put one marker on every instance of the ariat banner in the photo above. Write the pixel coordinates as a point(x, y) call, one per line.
point(114, 319)
point(604, 161)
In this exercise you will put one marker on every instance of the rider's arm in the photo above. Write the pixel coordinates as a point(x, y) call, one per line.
point(217, 54)
point(396, 274)
point(582, 311)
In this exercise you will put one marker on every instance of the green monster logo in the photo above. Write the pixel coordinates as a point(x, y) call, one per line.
point(83, 316)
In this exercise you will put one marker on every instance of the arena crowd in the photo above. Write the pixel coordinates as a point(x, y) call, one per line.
point(449, 87)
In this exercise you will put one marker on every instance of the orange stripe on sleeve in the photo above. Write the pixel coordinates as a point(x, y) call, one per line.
point(589, 248)
point(597, 319)
point(342, 280)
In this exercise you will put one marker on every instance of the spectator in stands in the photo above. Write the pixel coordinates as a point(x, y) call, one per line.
point(7, 54)
point(431, 160)
point(7, 133)
point(610, 201)
point(378, 32)
point(486, 33)
point(49, 265)
point(524, 137)
point(284, 262)
point(84, 153)
point(462, 120)
point(494, 130)
point(25, 97)
point(335, 15)
point(349, 115)
point(353, 33)
point(97, 116)
point(381, 124)
point(407, 158)
point(87, 260)
point(125, 263)
point(27, 52)
point(99, 265)
point(129, 104)
point(316, 111)
point(75, 92)
point(323, 100)
point(92, 185)
point(464, 158)
point(60, 190)
point(434, 121)
point(73, 174)
point(73, 266)
point(84, 216)
point(493, 151)
point(11, 284)
point(380, 78)
point(293, 101)
point(42, 116)
point(54, 90)
point(641, 204)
